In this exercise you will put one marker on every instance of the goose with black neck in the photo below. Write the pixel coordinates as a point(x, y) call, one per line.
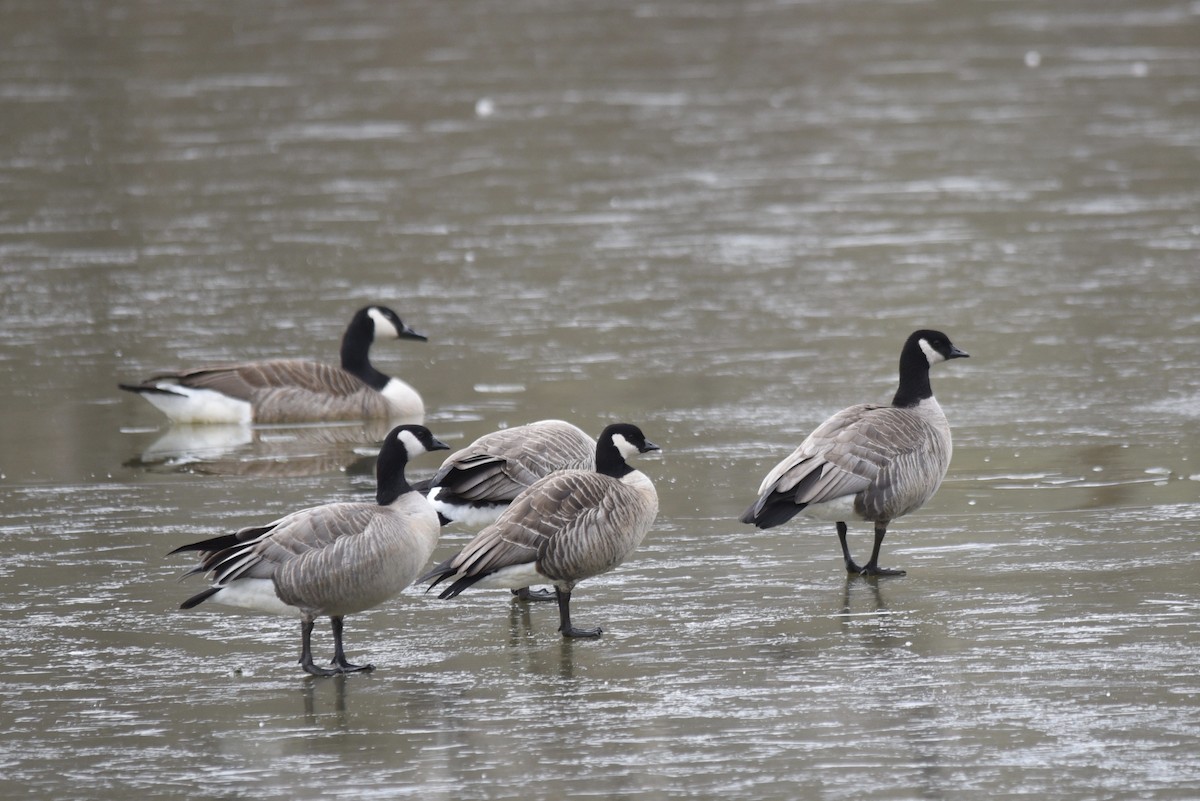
point(868, 462)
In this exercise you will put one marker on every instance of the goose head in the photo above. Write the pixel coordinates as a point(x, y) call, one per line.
point(401, 444)
point(388, 325)
point(936, 346)
point(618, 442)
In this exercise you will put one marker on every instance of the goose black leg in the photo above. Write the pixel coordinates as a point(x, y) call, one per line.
point(872, 567)
point(564, 617)
point(306, 659)
point(339, 655)
point(527, 594)
point(851, 565)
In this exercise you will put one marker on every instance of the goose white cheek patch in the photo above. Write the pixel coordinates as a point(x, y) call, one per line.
point(410, 443)
point(932, 355)
point(383, 326)
point(624, 446)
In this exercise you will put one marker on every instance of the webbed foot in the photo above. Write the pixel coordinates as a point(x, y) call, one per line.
point(528, 594)
point(343, 666)
point(876, 570)
point(575, 632)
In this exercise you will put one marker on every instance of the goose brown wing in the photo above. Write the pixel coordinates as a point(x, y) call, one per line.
point(544, 525)
point(523, 531)
point(262, 550)
point(846, 454)
point(242, 381)
point(482, 477)
point(611, 520)
point(499, 466)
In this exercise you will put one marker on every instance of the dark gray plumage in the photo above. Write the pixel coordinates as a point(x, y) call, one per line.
point(868, 462)
point(566, 527)
point(331, 560)
point(476, 483)
point(293, 390)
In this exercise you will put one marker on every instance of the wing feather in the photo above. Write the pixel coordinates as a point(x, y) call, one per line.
point(571, 524)
point(499, 466)
point(858, 448)
point(261, 550)
point(245, 380)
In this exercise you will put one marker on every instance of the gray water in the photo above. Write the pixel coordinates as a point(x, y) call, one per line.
point(715, 219)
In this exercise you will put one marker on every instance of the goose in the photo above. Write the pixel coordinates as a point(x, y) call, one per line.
point(331, 560)
point(569, 526)
point(868, 462)
point(475, 484)
point(293, 390)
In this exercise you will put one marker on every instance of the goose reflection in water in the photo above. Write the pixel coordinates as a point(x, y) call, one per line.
point(272, 451)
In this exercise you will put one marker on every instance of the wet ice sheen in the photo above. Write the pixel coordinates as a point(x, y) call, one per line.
point(717, 222)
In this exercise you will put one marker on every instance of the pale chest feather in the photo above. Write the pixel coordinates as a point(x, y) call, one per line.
point(402, 400)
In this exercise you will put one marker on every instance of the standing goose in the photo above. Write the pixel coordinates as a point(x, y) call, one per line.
point(293, 390)
point(475, 484)
point(332, 560)
point(868, 462)
point(566, 527)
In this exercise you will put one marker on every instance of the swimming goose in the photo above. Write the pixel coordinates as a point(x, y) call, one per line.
point(293, 390)
point(868, 462)
point(566, 527)
point(332, 560)
point(475, 484)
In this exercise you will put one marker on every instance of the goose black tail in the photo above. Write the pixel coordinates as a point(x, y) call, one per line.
point(208, 546)
point(199, 598)
point(771, 514)
point(445, 571)
point(142, 389)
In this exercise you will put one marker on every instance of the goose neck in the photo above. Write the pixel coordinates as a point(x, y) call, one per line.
point(355, 353)
point(914, 378)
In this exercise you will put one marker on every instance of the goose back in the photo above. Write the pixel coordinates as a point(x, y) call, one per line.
point(565, 527)
point(498, 466)
point(297, 391)
point(620, 513)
